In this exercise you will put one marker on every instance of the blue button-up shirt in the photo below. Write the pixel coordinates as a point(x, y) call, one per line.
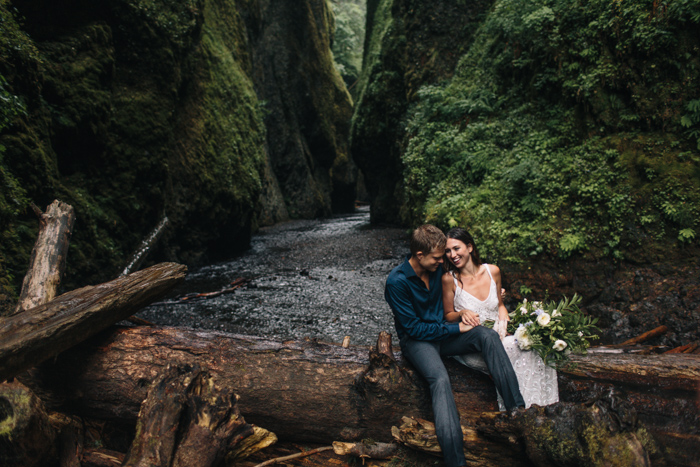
point(418, 311)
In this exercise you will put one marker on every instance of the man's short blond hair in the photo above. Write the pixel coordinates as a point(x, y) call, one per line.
point(426, 238)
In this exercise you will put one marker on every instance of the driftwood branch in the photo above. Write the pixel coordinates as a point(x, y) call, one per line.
point(294, 456)
point(366, 450)
point(48, 259)
point(99, 457)
point(43, 332)
point(644, 337)
point(139, 256)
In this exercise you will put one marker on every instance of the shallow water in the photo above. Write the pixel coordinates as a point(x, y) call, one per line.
point(321, 279)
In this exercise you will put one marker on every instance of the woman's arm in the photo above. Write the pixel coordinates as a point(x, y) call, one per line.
point(502, 311)
point(466, 318)
point(501, 324)
point(448, 299)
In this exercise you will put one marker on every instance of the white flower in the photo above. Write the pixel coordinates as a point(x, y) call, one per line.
point(522, 338)
point(524, 301)
point(523, 310)
point(555, 313)
point(559, 345)
point(525, 343)
point(543, 319)
point(580, 334)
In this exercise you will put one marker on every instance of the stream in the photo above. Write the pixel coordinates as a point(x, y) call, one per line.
point(318, 279)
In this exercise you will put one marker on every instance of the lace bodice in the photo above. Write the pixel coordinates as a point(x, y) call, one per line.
point(486, 309)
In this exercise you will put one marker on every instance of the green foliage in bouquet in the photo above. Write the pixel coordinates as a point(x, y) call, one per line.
point(553, 330)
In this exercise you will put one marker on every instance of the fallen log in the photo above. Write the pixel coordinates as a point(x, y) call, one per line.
point(48, 259)
point(285, 386)
point(42, 332)
point(663, 389)
point(282, 385)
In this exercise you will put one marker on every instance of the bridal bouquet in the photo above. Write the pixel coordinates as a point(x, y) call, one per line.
point(552, 330)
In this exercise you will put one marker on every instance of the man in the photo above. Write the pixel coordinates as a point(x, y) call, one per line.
point(414, 293)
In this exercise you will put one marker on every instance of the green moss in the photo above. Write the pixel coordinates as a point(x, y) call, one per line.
point(153, 114)
point(560, 133)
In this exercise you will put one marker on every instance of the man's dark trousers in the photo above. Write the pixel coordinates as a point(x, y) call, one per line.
point(425, 357)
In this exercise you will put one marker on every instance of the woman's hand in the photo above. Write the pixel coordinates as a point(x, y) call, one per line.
point(469, 318)
point(501, 324)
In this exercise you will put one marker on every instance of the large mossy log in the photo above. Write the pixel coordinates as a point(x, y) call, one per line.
point(308, 391)
point(328, 390)
point(42, 332)
point(663, 389)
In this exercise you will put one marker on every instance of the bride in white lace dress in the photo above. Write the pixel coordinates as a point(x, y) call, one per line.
point(470, 294)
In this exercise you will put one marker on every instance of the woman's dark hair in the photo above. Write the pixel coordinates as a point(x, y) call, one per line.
point(463, 236)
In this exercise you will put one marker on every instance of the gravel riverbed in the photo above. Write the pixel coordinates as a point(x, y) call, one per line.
point(318, 279)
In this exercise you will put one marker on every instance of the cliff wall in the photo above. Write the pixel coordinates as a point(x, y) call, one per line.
point(222, 115)
point(563, 135)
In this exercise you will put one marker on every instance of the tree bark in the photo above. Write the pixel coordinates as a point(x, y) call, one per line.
point(35, 335)
point(48, 258)
point(663, 389)
point(186, 421)
point(159, 418)
point(312, 392)
point(606, 432)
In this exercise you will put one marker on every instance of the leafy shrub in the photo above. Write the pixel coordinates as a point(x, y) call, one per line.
point(569, 128)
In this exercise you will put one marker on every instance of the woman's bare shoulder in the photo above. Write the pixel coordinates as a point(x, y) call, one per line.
point(447, 279)
point(495, 271)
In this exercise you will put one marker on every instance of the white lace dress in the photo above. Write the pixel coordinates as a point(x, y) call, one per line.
point(537, 381)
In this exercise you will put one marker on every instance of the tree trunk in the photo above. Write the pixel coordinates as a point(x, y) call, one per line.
point(322, 393)
point(42, 332)
point(48, 258)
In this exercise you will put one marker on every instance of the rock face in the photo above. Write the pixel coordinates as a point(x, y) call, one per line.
point(307, 107)
point(408, 43)
point(629, 299)
point(222, 115)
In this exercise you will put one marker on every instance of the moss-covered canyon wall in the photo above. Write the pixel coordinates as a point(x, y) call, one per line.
point(565, 135)
point(408, 44)
point(222, 115)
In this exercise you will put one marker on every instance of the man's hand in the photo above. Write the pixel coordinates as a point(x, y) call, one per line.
point(465, 327)
point(469, 318)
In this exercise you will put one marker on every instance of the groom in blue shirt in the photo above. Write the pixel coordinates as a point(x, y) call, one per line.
point(414, 293)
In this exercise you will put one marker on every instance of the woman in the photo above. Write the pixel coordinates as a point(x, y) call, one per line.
point(470, 294)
